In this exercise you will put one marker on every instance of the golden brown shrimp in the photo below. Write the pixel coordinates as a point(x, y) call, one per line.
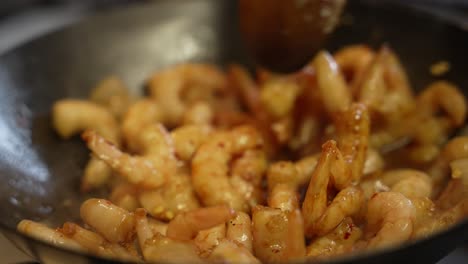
point(228, 252)
point(207, 239)
point(278, 236)
point(353, 137)
point(372, 86)
point(71, 117)
point(175, 197)
point(176, 88)
point(410, 183)
point(353, 61)
point(457, 188)
point(96, 174)
point(445, 96)
point(294, 174)
point(284, 197)
point(150, 170)
point(320, 217)
point(156, 247)
point(278, 97)
point(185, 226)
point(390, 217)
point(200, 113)
point(124, 195)
point(334, 92)
point(96, 244)
point(210, 166)
point(456, 148)
point(340, 241)
point(413, 184)
point(239, 230)
point(112, 93)
point(278, 230)
point(112, 222)
point(139, 115)
point(188, 138)
point(52, 236)
point(247, 173)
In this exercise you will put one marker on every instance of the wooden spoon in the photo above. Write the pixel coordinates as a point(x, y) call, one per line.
point(283, 35)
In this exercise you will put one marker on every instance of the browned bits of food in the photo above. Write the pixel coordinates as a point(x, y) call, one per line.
point(440, 68)
point(217, 167)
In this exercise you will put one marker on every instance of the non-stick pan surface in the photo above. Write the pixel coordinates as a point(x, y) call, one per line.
point(39, 173)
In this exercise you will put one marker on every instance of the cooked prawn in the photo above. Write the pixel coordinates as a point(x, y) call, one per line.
point(320, 217)
point(333, 89)
point(157, 247)
point(390, 217)
point(176, 88)
point(210, 166)
point(186, 225)
point(339, 241)
point(117, 225)
point(239, 230)
point(151, 170)
point(176, 196)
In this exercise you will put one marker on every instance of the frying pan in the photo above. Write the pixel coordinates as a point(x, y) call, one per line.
point(39, 173)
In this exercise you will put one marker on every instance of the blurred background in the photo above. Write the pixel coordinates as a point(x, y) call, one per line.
point(23, 20)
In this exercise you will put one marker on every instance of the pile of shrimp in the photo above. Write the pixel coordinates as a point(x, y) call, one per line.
point(219, 167)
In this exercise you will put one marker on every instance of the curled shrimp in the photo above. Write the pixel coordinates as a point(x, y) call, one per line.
point(230, 252)
point(96, 244)
point(333, 89)
point(353, 61)
point(320, 217)
point(411, 183)
point(200, 113)
point(210, 166)
point(150, 170)
point(177, 87)
point(74, 116)
point(188, 138)
point(295, 174)
point(339, 241)
point(185, 226)
point(112, 222)
point(456, 148)
point(390, 217)
point(176, 196)
point(139, 115)
point(457, 188)
point(445, 96)
point(112, 93)
point(71, 117)
point(157, 247)
point(52, 236)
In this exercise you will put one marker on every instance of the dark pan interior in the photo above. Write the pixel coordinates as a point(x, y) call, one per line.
point(40, 173)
